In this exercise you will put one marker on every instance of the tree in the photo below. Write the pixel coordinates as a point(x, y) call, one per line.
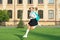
point(21, 23)
point(3, 17)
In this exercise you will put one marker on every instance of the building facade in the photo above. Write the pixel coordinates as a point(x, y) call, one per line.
point(49, 10)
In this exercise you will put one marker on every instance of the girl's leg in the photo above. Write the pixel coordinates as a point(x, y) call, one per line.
point(34, 27)
point(28, 29)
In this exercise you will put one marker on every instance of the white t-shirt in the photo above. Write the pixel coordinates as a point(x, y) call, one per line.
point(32, 15)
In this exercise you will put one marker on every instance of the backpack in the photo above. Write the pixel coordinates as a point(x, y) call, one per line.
point(38, 16)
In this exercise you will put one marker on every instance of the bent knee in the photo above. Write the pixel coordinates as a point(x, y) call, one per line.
point(31, 28)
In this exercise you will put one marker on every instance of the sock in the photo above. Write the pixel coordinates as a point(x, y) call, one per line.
point(27, 32)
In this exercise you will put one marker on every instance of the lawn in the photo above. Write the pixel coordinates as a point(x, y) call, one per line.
point(40, 33)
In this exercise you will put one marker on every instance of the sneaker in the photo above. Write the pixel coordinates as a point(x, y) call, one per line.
point(25, 36)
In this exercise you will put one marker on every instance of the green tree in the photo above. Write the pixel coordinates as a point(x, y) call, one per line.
point(21, 23)
point(3, 17)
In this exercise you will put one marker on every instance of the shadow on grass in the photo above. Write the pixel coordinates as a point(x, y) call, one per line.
point(20, 37)
point(47, 36)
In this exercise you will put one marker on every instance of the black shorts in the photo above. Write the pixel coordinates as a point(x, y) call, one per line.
point(33, 22)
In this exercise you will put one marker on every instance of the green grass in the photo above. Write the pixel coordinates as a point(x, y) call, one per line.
point(40, 33)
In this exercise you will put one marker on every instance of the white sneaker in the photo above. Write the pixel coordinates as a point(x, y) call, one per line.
point(25, 36)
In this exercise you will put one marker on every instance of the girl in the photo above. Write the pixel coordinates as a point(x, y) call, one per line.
point(32, 23)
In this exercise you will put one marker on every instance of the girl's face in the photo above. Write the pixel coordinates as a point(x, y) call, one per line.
point(32, 9)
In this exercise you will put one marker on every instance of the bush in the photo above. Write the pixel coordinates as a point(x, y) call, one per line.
point(3, 17)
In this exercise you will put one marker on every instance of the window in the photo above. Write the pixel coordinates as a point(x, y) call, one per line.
point(40, 12)
point(28, 13)
point(40, 1)
point(9, 1)
point(30, 1)
point(0, 1)
point(10, 13)
point(51, 14)
point(19, 1)
point(19, 13)
point(51, 1)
